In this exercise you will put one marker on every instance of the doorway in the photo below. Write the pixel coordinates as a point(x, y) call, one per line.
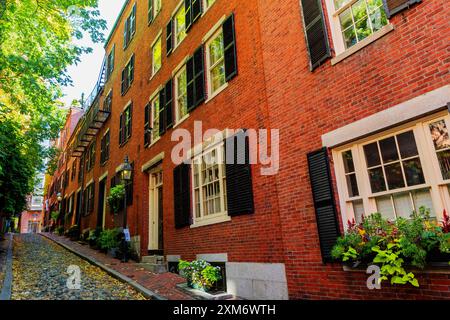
point(155, 243)
point(101, 211)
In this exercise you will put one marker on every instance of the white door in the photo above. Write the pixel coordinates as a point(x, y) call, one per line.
point(155, 214)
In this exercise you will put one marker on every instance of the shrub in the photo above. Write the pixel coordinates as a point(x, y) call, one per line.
point(94, 236)
point(199, 274)
point(60, 230)
point(109, 239)
point(393, 244)
point(115, 198)
point(73, 232)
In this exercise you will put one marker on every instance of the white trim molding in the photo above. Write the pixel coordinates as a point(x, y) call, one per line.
point(152, 162)
point(420, 106)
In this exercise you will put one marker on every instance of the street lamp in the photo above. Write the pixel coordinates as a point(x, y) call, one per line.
point(126, 171)
point(59, 199)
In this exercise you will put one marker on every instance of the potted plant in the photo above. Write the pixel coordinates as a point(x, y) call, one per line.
point(199, 274)
point(115, 198)
point(395, 246)
point(108, 241)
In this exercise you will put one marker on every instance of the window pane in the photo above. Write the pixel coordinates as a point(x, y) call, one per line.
point(439, 134)
point(403, 205)
point(358, 210)
point(444, 163)
point(372, 155)
point(376, 178)
point(413, 172)
point(350, 37)
point(394, 176)
point(348, 161)
point(340, 3)
point(352, 185)
point(216, 50)
point(378, 19)
point(388, 150)
point(384, 206)
point(423, 198)
point(374, 4)
point(407, 145)
point(363, 29)
point(346, 19)
point(218, 76)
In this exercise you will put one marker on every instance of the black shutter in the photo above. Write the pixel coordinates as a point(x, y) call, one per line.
point(125, 33)
point(239, 175)
point(169, 37)
point(133, 26)
point(315, 32)
point(393, 7)
point(130, 121)
point(102, 151)
point(188, 15)
point(162, 113)
point(196, 9)
point(121, 129)
point(147, 124)
point(323, 198)
point(169, 104)
point(199, 76)
point(150, 11)
point(229, 43)
point(182, 195)
point(91, 209)
point(131, 71)
point(190, 84)
point(122, 90)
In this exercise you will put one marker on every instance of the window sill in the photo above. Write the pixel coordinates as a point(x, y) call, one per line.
point(218, 91)
point(155, 73)
point(124, 143)
point(153, 143)
point(210, 221)
point(181, 121)
point(377, 35)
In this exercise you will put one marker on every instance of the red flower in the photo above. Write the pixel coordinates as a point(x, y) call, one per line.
point(446, 223)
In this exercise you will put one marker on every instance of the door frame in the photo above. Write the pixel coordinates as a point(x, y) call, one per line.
point(101, 206)
point(156, 182)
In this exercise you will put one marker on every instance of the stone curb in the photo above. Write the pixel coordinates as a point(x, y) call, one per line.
point(5, 293)
point(146, 292)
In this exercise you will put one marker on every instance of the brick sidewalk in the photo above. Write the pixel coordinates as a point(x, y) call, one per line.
point(163, 284)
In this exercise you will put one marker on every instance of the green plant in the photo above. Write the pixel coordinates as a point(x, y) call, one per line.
point(199, 274)
point(54, 215)
point(109, 239)
point(94, 236)
point(115, 198)
point(393, 244)
point(60, 230)
point(73, 232)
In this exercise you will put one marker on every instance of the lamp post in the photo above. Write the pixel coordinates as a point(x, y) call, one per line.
point(125, 173)
point(59, 199)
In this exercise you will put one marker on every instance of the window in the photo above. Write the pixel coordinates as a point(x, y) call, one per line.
point(209, 185)
point(107, 103)
point(154, 7)
point(128, 75)
point(81, 168)
point(125, 124)
point(216, 63)
point(180, 25)
point(74, 170)
point(155, 118)
point(397, 173)
point(181, 95)
point(89, 198)
point(129, 27)
point(110, 63)
point(208, 3)
point(156, 56)
point(104, 154)
point(90, 159)
point(356, 20)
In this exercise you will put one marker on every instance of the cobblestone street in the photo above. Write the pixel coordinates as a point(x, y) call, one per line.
point(40, 272)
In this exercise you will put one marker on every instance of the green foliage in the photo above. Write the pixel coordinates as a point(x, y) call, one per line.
point(73, 232)
point(36, 47)
point(54, 215)
point(393, 244)
point(199, 274)
point(115, 198)
point(109, 239)
point(60, 230)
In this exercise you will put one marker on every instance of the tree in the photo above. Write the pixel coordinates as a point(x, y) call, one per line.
point(36, 47)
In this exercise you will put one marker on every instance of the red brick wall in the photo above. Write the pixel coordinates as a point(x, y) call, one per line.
point(411, 60)
point(275, 89)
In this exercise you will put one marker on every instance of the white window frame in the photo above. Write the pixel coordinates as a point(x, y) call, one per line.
point(156, 10)
point(154, 98)
point(205, 5)
point(221, 216)
point(153, 46)
point(212, 35)
point(336, 32)
point(438, 187)
point(178, 118)
point(175, 24)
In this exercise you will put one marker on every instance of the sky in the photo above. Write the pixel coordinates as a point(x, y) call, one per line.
point(85, 74)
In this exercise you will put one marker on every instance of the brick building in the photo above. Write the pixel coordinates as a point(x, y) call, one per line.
point(357, 89)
